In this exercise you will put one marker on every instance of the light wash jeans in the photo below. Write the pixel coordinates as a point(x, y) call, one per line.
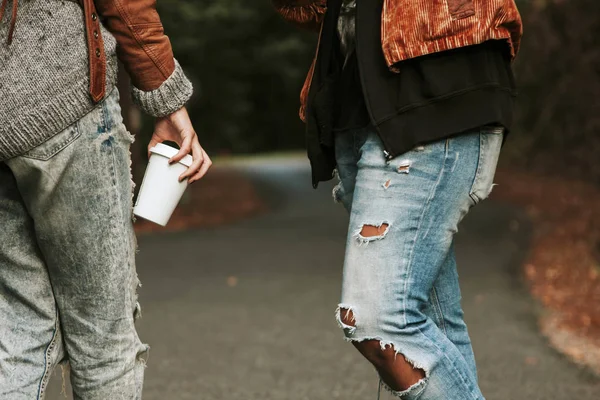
point(402, 286)
point(67, 263)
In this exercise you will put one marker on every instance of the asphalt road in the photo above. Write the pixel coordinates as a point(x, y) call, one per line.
point(246, 311)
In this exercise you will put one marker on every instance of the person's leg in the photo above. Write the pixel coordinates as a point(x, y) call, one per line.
point(404, 215)
point(30, 339)
point(77, 188)
point(444, 306)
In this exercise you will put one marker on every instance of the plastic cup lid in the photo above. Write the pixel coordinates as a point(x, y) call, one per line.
point(168, 151)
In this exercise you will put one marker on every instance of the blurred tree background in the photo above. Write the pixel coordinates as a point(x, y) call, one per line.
point(558, 73)
point(248, 66)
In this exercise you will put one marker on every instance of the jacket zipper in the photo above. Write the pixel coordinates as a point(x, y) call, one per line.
point(386, 152)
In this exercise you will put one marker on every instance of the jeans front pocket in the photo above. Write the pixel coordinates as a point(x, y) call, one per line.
point(54, 145)
point(490, 143)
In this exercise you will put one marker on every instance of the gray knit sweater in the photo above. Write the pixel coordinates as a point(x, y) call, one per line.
point(44, 76)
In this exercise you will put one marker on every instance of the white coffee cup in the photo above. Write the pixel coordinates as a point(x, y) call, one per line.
point(161, 190)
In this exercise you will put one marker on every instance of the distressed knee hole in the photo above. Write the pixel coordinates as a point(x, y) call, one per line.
point(346, 319)
point(369, 233)
point(400, 375)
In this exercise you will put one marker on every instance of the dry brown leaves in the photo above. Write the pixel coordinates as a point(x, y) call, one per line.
point(563, 265)
point(222, 196)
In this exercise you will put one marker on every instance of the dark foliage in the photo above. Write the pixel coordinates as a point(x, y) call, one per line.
point(247, 65)
point(558, 71)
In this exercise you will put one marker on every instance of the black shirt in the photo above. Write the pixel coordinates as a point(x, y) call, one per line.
point(350, 110)
point(449, 89)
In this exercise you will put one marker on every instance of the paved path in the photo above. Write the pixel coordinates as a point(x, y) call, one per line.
point(269, 333)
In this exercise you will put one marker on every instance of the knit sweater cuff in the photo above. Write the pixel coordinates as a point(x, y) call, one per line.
point(168, 98)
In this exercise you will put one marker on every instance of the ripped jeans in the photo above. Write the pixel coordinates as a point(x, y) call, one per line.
point(401, 286)
point(67, 263)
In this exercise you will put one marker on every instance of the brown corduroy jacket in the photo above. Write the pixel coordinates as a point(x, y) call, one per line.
point(414, 28)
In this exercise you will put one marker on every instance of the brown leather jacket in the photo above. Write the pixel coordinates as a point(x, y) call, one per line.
point(413, 28)
point(143, 47)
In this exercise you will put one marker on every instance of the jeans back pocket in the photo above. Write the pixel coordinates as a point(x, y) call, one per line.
point(54, 145)
point(490, 143)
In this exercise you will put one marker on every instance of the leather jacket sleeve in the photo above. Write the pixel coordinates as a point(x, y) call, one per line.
point(160, 86)
point(143, 47)
point(307, 14)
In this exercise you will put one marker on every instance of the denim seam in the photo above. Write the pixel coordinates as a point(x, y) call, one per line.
point(112, 167)
point(434, 308)
point(110, 128)
point(49, 348)
point(444, 355)
point(126, 217)
point(113, 174)
point(438, 309)
point(105, 125)
point(414, 241)
point(120, 206)
point(116, 205)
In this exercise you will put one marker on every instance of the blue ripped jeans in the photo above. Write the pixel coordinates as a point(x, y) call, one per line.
point(67, 263)
point(401, 286)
